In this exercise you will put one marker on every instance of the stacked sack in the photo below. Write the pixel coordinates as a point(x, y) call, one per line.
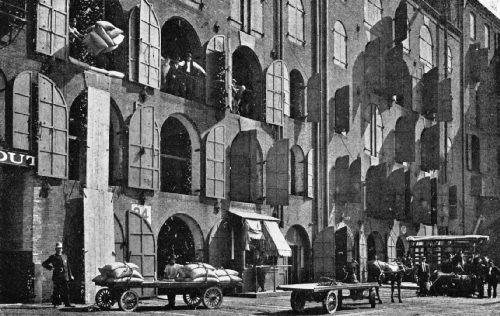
point(197, 272)
point(228, 275)
point(119, 272)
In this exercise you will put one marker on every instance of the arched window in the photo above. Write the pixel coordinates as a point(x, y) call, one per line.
point(296, 21)
point(297, 95)
point(340, 45)
point(373, 12)
point(116, 141)
point(175, 157)
point(247, 73)
point(374, 130)
point(449, 61)
point(297, 169)
point(426, 48)
point(246, 168)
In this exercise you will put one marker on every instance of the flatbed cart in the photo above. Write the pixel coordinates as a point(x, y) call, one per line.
point(210, 293)
point(329, 294)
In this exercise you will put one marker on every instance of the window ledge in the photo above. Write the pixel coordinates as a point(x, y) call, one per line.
point(85, 66)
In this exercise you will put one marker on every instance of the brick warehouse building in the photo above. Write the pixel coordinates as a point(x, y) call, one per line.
point(362, 123)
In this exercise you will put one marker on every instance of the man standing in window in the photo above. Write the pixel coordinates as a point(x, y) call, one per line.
point(61, 276)
point(190, 68)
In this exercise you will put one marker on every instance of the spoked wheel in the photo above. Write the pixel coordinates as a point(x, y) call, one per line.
point(129, 300)
point(192, 299)
point(104, 299)
point(298, 301)
point(212, 298)
point(372, 298)
point(330, 302)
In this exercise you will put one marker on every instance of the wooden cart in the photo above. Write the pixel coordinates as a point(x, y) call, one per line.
point(210, 293)
point(330, 295)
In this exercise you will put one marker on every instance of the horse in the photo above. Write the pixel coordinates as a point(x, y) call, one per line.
point(393, 272)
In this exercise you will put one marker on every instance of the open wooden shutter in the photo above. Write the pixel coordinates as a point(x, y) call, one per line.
point(314, 98)
point(257, 18)
point(149, 48)
point(430, 91)
point(342, 109)
point(142, 248)
point(277, 173)
point(216, 71)
point(277, 93)
point(363, 254)
point(404, 140)
point(52, 130)
point(373, 66)
point(379, 129)
point(144, 149)
point(310, 174)
point(444, 113)
point(21, 111)
point(52, 28)
point(215, 170)
point(133, 45)
point(468, 150)
point(401, 23)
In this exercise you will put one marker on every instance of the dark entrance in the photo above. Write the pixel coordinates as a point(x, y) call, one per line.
point(299, 243)
point(344, 249)
point(375, 246)
point(175, 238)
point(400, 248)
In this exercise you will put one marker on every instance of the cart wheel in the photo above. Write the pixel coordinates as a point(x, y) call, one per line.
point(104, 299)
point(298, 301)
point(372, 298)
point(330, 302)
point(192, 299)
point(129, 300)
point(212, 298)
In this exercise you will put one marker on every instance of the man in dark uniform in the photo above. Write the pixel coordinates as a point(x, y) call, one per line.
point(61, 276)
point(424, 274)
point(492, 278)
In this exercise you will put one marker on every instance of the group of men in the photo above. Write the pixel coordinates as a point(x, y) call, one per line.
point(178, 76)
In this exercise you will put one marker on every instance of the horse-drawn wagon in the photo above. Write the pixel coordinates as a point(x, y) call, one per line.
point(330, 293)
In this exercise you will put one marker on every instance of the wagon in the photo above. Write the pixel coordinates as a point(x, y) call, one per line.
point(210, 293)
point(330, 295)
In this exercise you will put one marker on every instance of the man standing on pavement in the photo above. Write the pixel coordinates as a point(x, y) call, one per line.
point(424, 274)
point(61, 276)
point(491, 278)
point(170, 273)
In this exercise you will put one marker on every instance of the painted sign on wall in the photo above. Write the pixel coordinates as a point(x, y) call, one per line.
point(16, 159)
point(143, 210)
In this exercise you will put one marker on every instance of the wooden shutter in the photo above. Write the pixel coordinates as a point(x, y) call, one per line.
point(401, 23)
point(379, 129)
point(372, 65)
point(445, 113)
point(404, 140)
point(52, 28)
point(21, 111)
point(363, 254)
point(52, 130)
point(310, 174)
point(215, 172)
point(430, 91)
point(468, 150)
point(277, 173)
point(149, 46)
point(144, 149)
point(257, 16)
point(133, 45)
point(141, 248)
point(216, 71)
point(277, 93)
point(314, 98)
point(236, 10)
point(342, 106)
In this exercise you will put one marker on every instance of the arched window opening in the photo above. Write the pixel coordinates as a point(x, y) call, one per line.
point(297, 168)
point(116, 143)
point(404, 139)
point(246, 169)
point(247, 83)
point(175, 149)
point(297, 95)
point(340, 45)
point(182, 70)
point(83, 16)
point(426, 54)
point(296, 21)
point(78, 137)
point(374, 130)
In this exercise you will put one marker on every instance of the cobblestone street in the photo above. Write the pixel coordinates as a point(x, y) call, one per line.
point(412, 305)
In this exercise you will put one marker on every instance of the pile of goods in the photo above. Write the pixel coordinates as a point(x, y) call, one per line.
point(203, 272)
point(118, 272)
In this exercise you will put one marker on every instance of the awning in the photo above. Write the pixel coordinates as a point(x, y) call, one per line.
point(271, 232)
point(278, 240)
